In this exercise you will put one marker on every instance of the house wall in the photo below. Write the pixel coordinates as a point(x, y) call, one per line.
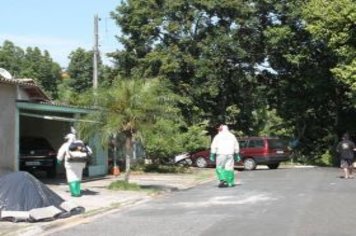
point(8, 148)
point(21, 95)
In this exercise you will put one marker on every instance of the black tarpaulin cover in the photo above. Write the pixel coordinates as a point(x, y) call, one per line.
point(21, 192)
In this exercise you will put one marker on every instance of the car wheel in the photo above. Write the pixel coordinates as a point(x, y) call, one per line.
point(249, 164)
point(273, 166)
point(201, 162)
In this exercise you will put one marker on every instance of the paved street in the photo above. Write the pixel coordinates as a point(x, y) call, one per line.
point(282, 202)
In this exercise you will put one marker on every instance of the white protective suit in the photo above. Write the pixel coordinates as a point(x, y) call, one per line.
point(74, 170)
point(225, 146)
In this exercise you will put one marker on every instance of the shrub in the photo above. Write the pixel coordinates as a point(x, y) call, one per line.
point(123, 185)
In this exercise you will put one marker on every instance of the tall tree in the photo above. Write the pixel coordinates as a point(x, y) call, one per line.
point(302, 87)
point(79, 76)
point(207, 49)
point(40, 67)
point(31, 63)
point(335, 23)
point(80, 70)
point(11, 58)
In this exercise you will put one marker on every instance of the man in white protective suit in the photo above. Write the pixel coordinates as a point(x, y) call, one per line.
point(225, 149)
point(75, 155)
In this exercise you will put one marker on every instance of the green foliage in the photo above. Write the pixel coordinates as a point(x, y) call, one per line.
point(66, 93)
point(159, 168)
point(80, 70)
point(334, 23)
point(210, 50)
point(326, 159)
point(271, 124)
point(80, 77)
point(33, 64)
point(161, 140)
point(304, 92)
point(166, 138)
point(195, 137)
point(129, 107)
point(207, 50)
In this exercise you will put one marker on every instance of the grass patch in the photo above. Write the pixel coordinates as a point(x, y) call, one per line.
point(121, 185)
point(125, 186)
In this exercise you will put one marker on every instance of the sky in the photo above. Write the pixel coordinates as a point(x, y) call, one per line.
point(59, 26)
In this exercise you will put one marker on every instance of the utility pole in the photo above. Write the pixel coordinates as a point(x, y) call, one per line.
point(95, 52)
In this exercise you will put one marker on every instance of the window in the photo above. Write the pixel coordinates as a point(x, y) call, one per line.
point(277, 143)
point(243, 143)
point(257, 143)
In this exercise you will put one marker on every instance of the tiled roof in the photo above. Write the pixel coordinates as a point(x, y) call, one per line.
point(24, 82)
point(37, 95)
point(29, 86)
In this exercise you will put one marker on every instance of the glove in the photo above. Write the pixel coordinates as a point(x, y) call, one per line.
point(212, 157)
point(237, 157)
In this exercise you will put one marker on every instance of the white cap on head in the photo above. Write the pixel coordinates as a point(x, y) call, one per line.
point(224, 128)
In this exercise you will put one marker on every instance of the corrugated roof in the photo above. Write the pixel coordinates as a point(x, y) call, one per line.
point(58, 104)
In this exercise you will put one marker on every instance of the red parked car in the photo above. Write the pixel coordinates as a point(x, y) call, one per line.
point(270, 151)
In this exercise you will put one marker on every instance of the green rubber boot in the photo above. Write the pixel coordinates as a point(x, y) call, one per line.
point(77, 188)
point(220, 173)
point(72, 188)
point(230, 178)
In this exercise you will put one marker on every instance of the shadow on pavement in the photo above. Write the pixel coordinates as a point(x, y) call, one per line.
point(159, 187)
point(89, 192)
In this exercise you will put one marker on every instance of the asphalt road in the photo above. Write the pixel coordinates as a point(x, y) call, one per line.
point(282, 202)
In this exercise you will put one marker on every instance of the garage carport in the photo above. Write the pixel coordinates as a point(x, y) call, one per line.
point(53, 121)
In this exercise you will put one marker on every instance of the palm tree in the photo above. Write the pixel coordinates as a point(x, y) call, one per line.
point(127, 107)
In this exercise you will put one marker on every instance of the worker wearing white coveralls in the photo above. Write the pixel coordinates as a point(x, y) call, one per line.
point(74, 170)
point(226, 149)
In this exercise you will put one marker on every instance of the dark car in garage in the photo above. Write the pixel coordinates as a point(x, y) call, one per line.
point(270, 151)
point(37, 154)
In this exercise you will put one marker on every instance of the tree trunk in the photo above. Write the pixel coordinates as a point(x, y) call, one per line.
point(128, 148)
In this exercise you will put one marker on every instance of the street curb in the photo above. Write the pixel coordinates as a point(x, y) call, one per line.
point(61, 224)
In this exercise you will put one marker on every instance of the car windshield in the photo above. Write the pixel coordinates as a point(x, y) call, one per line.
point(34, 143)
point(277, 143)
